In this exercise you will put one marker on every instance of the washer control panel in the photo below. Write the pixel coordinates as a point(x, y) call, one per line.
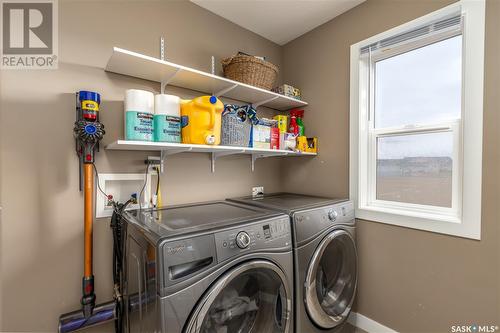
point(265, 235)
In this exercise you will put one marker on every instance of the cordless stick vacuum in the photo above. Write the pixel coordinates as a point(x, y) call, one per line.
point(88, 132)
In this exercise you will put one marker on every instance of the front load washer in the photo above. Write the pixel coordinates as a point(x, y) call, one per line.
point(325, 257)
point(212, 267)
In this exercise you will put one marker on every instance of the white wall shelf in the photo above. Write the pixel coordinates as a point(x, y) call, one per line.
point(145, 67)
point(167, 149)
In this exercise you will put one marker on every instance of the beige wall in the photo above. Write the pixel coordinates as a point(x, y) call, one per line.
point(411, 281)
point(41, 226)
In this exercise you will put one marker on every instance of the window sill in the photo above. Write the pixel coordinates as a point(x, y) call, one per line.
point(412, 210)
point(443, 224)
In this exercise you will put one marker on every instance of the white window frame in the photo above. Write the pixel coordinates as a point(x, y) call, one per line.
point(464, 217)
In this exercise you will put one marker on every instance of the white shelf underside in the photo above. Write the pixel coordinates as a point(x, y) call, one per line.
point(173, 148)
point(145, 67)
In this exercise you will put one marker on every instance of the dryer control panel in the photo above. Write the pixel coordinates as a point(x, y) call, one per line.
point(267, 235)
point(309, 223)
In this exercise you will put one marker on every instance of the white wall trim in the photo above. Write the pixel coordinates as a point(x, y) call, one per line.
point(367, 324)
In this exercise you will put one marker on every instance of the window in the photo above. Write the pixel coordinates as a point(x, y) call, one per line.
point(416, 122)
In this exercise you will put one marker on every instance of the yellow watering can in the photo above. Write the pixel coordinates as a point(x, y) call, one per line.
point(201, 120)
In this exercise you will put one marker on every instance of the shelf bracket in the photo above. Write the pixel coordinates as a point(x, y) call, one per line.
point(167, 80)
point(169, 152)
point(162, 48)
point(225, 90)
point(256, 105)
point(255, 157)
point(166, 152)
point(163, 158)
point(216, 155)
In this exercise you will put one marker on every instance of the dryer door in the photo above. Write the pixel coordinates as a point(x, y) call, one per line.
point(331, 279)
point(251, 297)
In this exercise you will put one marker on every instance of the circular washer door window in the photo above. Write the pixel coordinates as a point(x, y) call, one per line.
point(331, 280)
point(252, 297)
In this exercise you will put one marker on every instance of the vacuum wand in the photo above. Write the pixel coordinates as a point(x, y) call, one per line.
point(88, 298)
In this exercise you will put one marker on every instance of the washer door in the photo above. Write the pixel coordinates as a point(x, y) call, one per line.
point(331, 280)
point(252, 297)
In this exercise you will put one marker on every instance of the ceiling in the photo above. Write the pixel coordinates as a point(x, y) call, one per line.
point(278, 20)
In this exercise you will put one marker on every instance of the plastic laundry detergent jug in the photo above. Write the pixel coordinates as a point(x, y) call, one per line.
point(201, 120)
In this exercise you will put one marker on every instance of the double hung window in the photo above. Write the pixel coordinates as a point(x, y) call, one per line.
point(416, 122)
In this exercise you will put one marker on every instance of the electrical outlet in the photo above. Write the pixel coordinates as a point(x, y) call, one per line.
point(153, 160)
point(257, 191)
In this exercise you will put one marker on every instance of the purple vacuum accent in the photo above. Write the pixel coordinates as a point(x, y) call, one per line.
point(74, 321)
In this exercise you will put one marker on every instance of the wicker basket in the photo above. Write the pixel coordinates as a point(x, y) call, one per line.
point(250, 70)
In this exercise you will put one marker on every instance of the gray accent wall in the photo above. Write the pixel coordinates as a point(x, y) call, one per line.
point(410, 280)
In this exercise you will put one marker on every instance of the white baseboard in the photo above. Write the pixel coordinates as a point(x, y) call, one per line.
point(367, 324)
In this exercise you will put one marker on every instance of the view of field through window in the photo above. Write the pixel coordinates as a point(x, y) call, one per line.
point(419, 171)
point(422, 86)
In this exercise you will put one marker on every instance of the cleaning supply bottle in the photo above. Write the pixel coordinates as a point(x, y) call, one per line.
point(282, 122)
point(201, 120)
point(167, 119)
point(139, 112)
point(299, 114)
point(294, 127)
point(301, 126)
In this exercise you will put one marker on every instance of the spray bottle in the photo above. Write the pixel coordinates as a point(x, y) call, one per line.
point(294, 127)
point(298, 114)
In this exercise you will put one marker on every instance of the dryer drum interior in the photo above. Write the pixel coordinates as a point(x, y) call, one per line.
point(331, 278)
point(253, 297)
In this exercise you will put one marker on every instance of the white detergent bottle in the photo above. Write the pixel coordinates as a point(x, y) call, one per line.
point(139, 109)
point(167, 119)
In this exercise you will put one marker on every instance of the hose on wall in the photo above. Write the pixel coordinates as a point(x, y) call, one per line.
point(117, 227)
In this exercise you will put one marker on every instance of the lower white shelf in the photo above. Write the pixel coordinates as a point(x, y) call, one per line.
point(172, 148)
point(167, 149)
